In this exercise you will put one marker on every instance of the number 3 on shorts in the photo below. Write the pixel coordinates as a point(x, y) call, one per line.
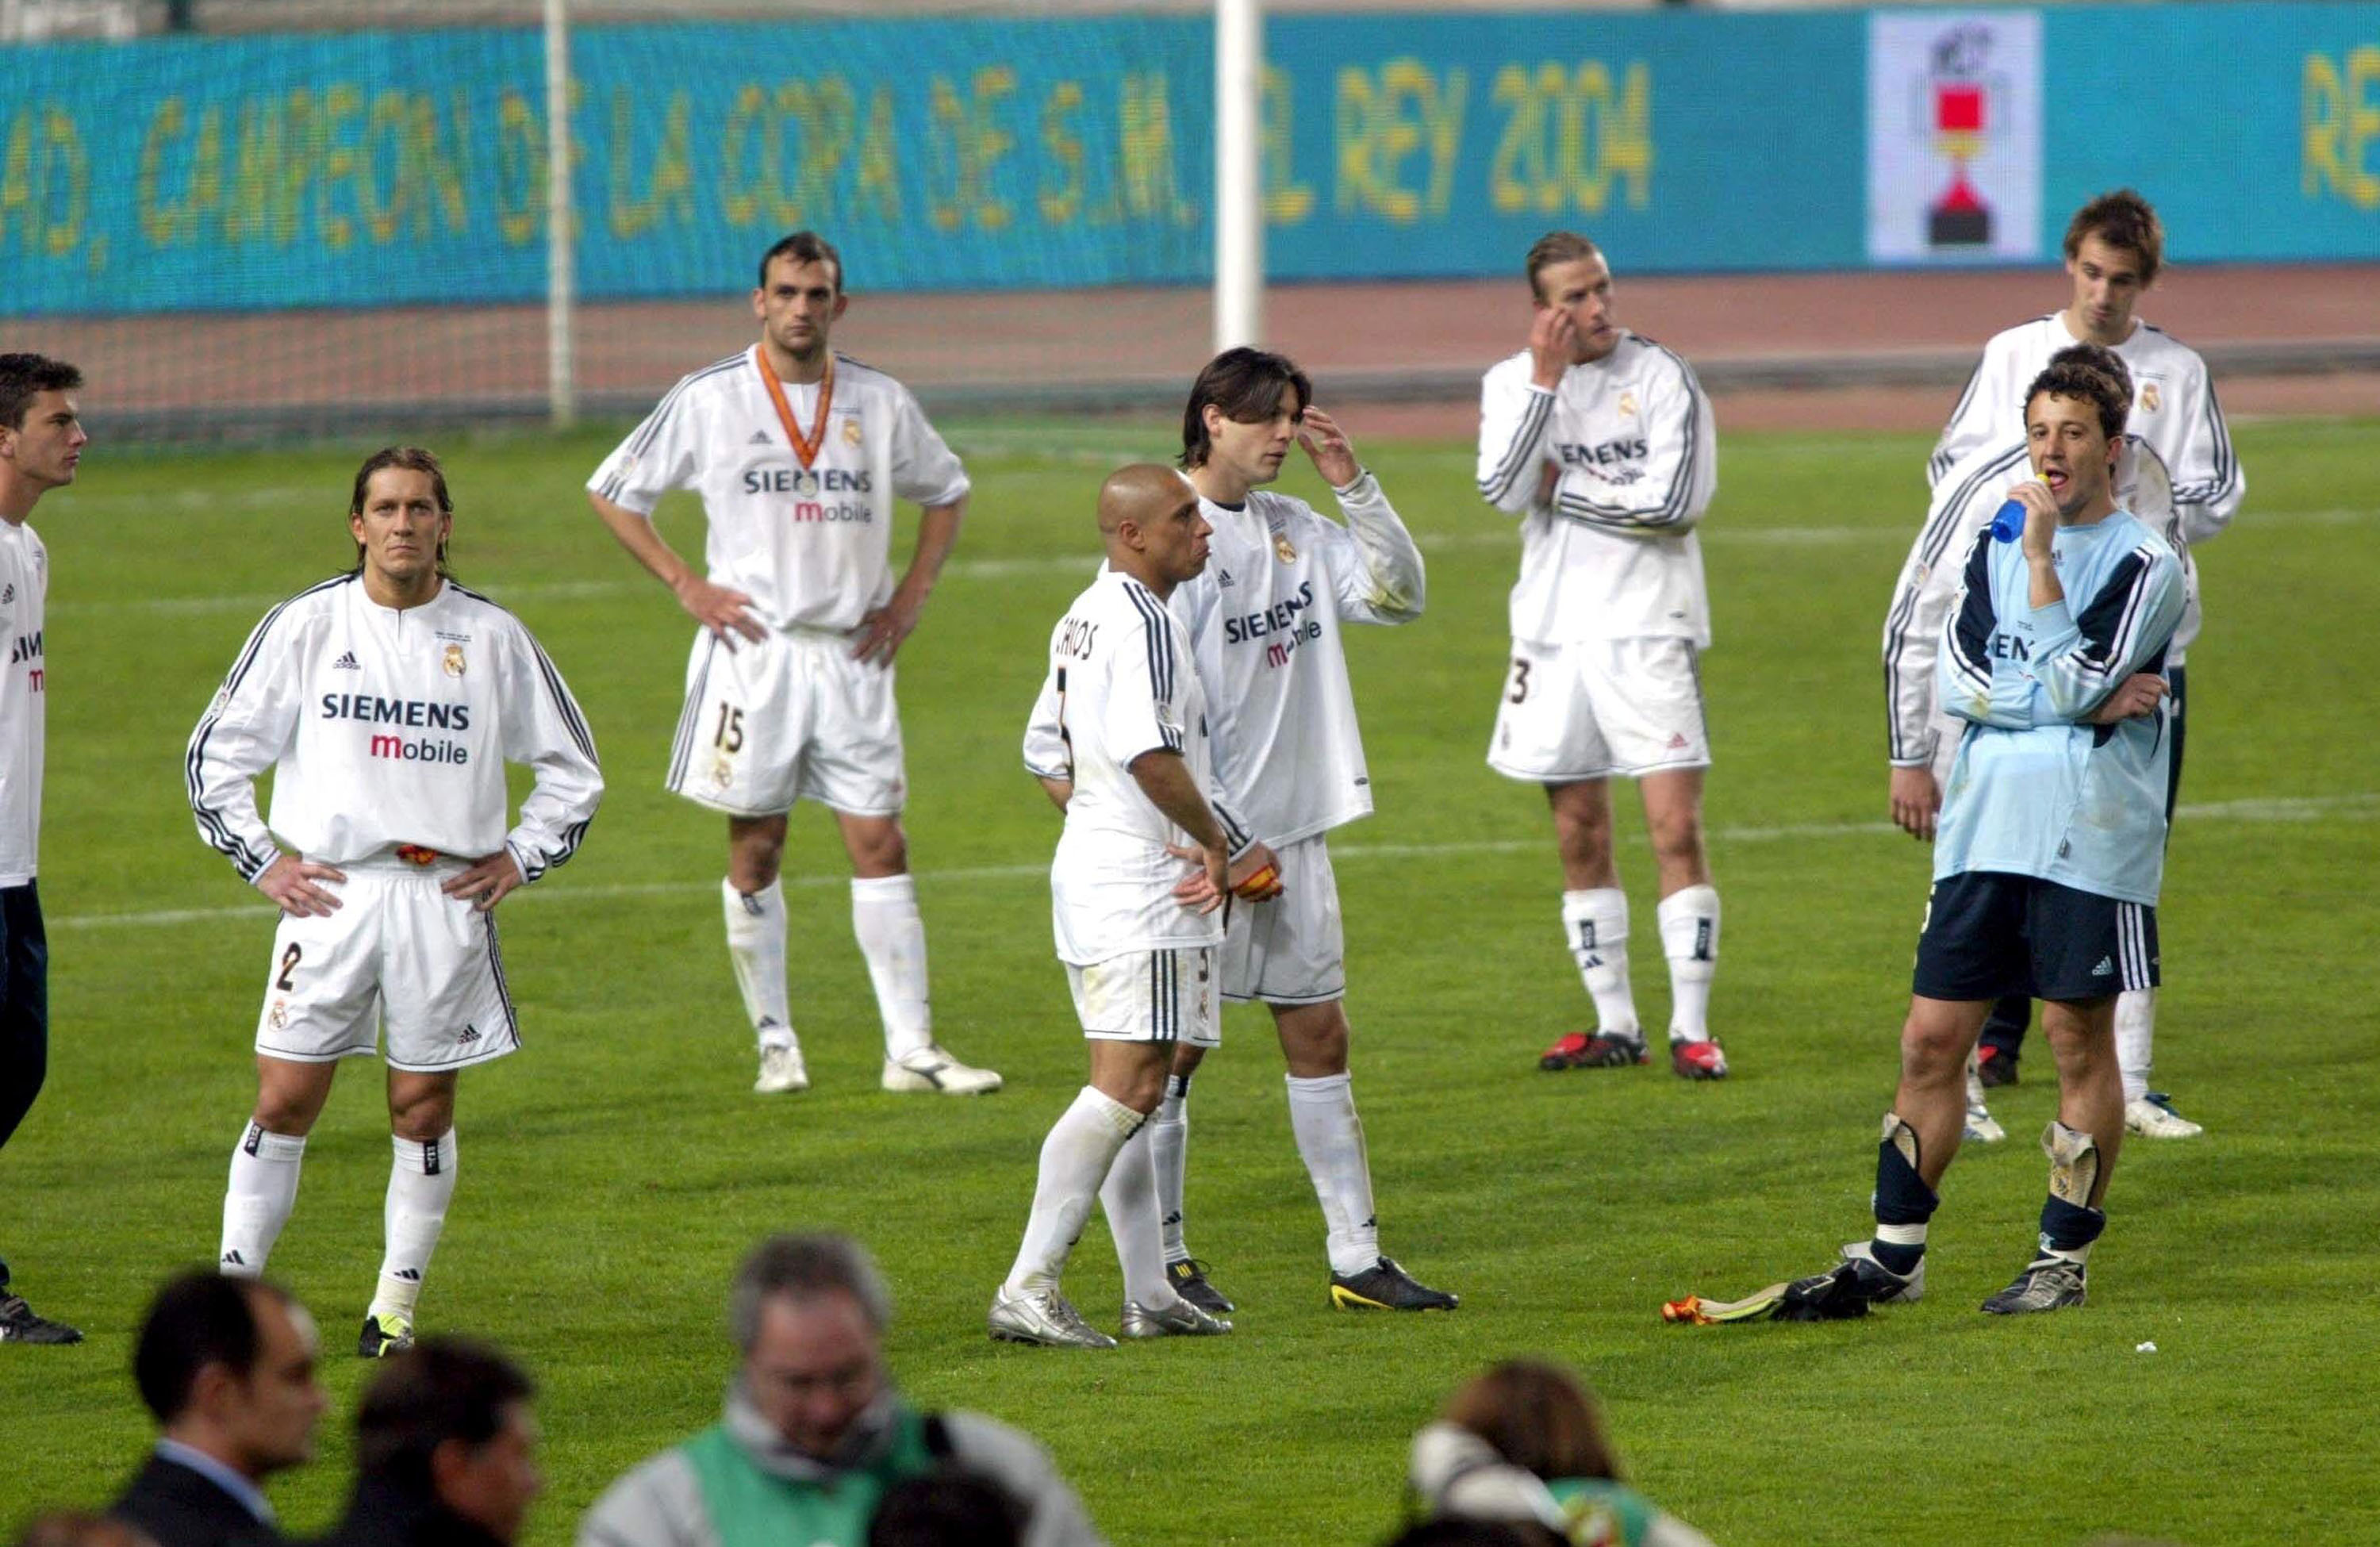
point(1520, 680)
point(289, 960)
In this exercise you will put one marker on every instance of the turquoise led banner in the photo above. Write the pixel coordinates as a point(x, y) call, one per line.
point(381, 169)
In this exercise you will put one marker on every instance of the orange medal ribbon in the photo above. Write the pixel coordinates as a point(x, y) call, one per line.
point(805, 447)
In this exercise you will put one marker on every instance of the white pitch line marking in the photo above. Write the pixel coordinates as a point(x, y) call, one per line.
point(2361, 807)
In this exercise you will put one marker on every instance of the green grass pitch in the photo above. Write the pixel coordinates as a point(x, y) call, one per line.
point(613, 1171)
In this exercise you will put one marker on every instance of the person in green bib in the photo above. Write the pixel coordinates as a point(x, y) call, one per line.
point(1523, 1443)
point(814, 1433)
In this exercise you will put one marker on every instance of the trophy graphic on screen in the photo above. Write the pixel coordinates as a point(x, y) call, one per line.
point(1959, 108)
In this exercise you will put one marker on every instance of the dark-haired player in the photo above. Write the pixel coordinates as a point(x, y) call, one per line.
point(42, 439)
point(2051, 846)
point(2115, 247)
point(799, 453)
point(1266, 620)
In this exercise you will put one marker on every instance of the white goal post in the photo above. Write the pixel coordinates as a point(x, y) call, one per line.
point(1239, 194)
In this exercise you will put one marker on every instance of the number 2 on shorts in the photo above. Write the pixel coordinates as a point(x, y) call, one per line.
point(289, 960)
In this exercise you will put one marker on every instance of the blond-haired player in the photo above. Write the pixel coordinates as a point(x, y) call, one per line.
point(386, 702)
point(1602, 443)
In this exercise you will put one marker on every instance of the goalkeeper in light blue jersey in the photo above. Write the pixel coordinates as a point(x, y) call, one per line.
point(2051, 849)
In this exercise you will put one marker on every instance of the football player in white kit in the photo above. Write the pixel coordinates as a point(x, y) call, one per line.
point(386, 702)
point(1265, 621)
point(1923, 738)
point(42, 439)
point(798, 453)
point(2115, 245)
point(1602, 443)
point(1119, 738)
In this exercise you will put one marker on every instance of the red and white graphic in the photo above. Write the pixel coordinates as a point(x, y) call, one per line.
point(1954, 136)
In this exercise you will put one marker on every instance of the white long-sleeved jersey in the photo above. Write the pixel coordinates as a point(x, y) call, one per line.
point(1963, 504)
point(1122, 683)
point(1611, 554)
point(1265, 619)
point(24, 593)
point(387, 727)
point(811, 546)
point(2173, 409)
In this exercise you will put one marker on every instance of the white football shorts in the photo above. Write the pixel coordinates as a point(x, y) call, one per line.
point(1149, 996)
point(1594, 709)
point(1291, 950)
point(790, 717)
point(398, 956)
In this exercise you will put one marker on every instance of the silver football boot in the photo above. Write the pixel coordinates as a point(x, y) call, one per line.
point(1043, 1318)
point(1179, 1320)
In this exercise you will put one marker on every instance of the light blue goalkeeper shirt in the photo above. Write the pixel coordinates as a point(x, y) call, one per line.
point(2035, 790)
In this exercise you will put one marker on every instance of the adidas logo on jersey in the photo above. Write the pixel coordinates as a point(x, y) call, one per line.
point(2107, 965)
point(469, 1034)
point(346, 662)
point(760, 437)
point(1222, 577)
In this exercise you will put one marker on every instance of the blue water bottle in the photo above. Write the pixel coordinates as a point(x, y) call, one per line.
point(2008, 525)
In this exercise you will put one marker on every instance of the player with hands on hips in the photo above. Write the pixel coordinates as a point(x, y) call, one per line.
point(799, 453)
point(386, 702)
point(1603, 444)
point(1120, 739)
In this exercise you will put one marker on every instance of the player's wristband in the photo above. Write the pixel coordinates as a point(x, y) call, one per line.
point(1260, 885)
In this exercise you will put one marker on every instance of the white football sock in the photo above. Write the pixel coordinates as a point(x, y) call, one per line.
point(2135, 1031)
point(1690, 938)
point(756, 944)
point(1595, 925)
point(893, 938)
point(1331, 1142)
point(1168, 1155)
point(1128, 1198)
point(420, 1185)
point(1074, 1159)
point(257, 1201)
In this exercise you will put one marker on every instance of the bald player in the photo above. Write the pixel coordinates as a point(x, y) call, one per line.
point(1137, 928)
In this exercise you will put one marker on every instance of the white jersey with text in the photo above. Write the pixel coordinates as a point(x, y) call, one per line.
point(1917, 725)
point(1265, 620)
point(24, 593)
point(2173, 409)
point(1120, 684)
point(389, 727)
point(810, 546)
point(1609, 552)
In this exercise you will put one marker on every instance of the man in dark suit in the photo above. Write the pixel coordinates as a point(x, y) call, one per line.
point(227, 1365)
point(445, 1451)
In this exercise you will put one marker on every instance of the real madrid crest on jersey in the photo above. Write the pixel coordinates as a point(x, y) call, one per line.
point(851, 432)
point(1628, 403)
point(2151, 398)
point(1282, 551)
point(455, 665)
